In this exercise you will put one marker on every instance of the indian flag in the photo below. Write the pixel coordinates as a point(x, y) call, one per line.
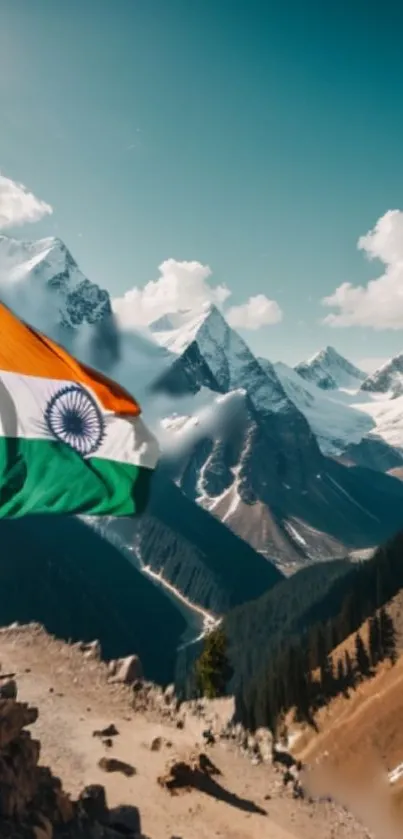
point(71, 440)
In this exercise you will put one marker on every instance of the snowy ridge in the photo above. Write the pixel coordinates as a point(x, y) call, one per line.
point(230, 361)
point(329, 370)
point(334, 419)
point(388, 379)
point(29, 269)
point(339, 418)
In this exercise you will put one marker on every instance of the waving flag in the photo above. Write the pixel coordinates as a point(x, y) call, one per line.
point(71, 440)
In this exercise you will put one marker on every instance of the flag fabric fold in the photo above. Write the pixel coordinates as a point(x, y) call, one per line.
point(71, 440)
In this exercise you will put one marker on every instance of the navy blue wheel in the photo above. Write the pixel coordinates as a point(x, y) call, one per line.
point(73, 417)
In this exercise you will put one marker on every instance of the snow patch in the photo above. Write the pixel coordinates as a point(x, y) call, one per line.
point(295, 535)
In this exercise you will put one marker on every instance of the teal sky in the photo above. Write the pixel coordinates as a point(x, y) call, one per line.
point(261, 138)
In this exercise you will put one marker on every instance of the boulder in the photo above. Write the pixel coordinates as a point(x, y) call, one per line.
point(92, 802)
point(109, 731)
point(112, 764)
point(128, 670)
point(169, 693)
point(14, 716)
point(156, 744)
point(8, 689)
point(188, 774)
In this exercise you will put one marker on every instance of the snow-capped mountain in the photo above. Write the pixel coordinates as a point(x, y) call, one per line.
point(177, 539)
point(264, 475)
point(239, 437)
point(329, 370)
point(48, 264)
point(366, 431)
point(387, 379)
point(211, 354)
point(334, 420)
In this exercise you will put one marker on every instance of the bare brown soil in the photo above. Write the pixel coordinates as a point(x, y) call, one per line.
point(240, 801)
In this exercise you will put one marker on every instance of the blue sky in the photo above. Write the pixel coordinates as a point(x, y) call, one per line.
point(259, 138)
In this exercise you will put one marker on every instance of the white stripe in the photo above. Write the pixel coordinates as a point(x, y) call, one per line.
point(23, 403)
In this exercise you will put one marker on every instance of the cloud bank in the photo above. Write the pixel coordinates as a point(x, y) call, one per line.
point(19, 206)
point(187, 285)
point(379, 304)
point(258, 311)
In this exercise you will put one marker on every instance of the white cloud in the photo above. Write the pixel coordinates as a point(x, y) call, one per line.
point(258, 311)
point(379, 304)
point(18, 205)
point(180, 286)
point(186, 285)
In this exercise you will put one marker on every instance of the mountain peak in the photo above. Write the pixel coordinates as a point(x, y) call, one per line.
point(387, 379)
point(327, 354)
point(48, 266)
point(330, 370)
point(178, 330)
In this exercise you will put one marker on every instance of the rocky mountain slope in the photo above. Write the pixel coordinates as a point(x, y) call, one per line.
point(78, 702)
point(387, 379)
point(193, 551)
point(264, 474)
point(366, 432)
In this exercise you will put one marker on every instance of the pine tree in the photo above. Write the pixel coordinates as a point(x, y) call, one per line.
point(374, 640)
point(240, 705)
point(387, 636)
point(341, 677)
point(271, 708)
point(327, 677)
point(348, 670)
point(322, 651)
point(379, 599)
point(213, 668)
point(361, 657)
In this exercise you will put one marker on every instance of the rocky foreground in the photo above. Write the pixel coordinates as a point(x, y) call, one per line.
point(127, 759)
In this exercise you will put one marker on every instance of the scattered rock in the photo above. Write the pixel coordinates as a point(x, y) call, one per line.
point(169, 694)
point(90, 649)
point(283, 757)
point(127, 671)
point(208, 737)
point(182, 774)
point(112, 667)
point(92, 802)
point(156, 744)
point(14, 716)
point(8, 689)
point(108, 742)
point(109, 731)
point(112, 764)
point(26, 789)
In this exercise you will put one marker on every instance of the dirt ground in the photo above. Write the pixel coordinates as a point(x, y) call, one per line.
point(74, 699)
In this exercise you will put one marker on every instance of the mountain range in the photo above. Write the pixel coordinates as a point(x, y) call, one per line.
point(264, 468)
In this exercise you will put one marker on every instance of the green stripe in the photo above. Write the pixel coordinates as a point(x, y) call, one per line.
point(42, 476)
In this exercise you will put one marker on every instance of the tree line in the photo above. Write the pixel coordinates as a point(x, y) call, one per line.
point(297, 670)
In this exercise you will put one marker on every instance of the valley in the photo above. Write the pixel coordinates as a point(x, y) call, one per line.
point(274, 488)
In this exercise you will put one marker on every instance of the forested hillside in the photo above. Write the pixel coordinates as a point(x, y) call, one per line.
point(278, 642)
